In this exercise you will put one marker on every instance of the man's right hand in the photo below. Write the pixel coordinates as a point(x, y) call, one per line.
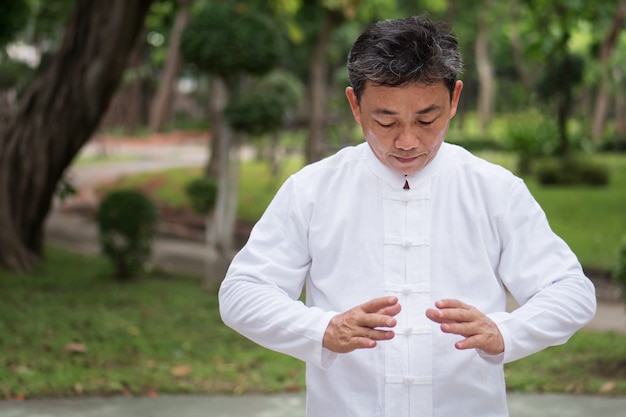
point(359, 327)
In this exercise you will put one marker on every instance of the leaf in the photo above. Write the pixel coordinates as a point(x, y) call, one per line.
point(78, 388)
point(181, 370)
point(73, 347)
point(608, 386)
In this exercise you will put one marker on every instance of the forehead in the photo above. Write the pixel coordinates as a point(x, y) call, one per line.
point(417, 96)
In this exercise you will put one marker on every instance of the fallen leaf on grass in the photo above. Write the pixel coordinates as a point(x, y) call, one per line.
point(608, 386)
point(181, 370)
point(73, 347)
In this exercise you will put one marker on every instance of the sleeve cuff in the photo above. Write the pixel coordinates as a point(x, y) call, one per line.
point(499, 319)
point(326, 357)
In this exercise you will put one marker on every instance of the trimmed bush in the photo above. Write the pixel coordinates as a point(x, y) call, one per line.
point(530, 136)
point(572, 172)
point(202, 194)
point(127, 221)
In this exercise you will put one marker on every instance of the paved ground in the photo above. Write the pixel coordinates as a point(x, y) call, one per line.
point(285, 405)
point(76, 233)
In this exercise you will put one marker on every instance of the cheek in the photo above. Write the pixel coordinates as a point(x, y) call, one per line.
point(381, 139)
point(438, 137)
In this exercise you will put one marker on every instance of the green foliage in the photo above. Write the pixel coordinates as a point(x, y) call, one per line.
point(255, 113)
point(127, 222)
point(14, 74)
point(264, 107)
point(619, 273)
point(560, 75)
point(48, 19)
point(230, 40)
point(572, 171)
point(13, 18)
point(202, 193)
point(529, 136)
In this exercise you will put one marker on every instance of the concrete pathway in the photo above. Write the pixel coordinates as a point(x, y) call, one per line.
point(282, 405)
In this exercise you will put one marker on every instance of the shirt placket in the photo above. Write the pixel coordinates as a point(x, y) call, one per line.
point(408, 357)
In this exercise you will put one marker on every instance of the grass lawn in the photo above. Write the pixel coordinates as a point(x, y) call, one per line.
point(69, 330)
point(592, 220)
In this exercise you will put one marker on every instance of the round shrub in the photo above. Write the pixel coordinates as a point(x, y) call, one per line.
point(574, 171)
point(127, 221)
point(255, 113)
point(265, 106)
point(202, 193)
point(232, 39)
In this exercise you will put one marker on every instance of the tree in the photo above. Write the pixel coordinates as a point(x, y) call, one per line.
point(606, 50)
point(162, 102)
point(230, 42)
point(318, 85)
point(13, 17)
point(57, 117)
point(554, 22)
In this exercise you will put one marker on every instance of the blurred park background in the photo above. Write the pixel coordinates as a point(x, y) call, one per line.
point(248, 92)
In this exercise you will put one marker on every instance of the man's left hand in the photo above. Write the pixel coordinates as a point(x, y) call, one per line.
point(480, 331)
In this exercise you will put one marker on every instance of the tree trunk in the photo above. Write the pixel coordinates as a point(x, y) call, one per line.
point(221, 226)
point(57, 117)
point(126, 109)
point(162, 103)
point(485, 75)
point(606, 50)
point(518, 56)
point(317, 90)
point(218, 99)
point(563, 105)
point(620, 119)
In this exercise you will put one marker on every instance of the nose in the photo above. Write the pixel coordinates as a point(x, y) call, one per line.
point(407, 140)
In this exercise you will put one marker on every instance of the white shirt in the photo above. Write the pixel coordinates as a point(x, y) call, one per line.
point(346, 230)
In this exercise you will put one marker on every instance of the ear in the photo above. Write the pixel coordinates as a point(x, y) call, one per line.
point(455, 97)
point(354, 104)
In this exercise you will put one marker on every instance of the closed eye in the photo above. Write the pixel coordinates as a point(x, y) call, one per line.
point(426, 123)
point(386, 125)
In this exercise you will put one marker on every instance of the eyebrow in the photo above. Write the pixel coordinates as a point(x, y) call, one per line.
point(427, 110)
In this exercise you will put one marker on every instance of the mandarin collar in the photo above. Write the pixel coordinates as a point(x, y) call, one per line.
point(396, 180)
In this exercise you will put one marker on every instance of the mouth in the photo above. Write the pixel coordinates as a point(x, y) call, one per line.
point(408, 159)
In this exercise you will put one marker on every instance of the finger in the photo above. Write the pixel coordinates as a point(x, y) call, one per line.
point(378, 304)
point(373, 335)
point(363, 343)
point(391, 310)
point(450, 303)
point(492, 344)
point(453, 311)
point(462, 329)
point(439, 316)
point(372, 321)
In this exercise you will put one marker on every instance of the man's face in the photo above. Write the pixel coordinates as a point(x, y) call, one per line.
point(405, 126)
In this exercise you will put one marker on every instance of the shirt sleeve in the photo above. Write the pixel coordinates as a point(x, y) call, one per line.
point(543, 275)
point(259, 297)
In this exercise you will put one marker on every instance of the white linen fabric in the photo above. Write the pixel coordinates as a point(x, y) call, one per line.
point(346, 231)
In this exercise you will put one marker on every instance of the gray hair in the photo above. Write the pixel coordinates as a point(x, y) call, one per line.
point(405, 51)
